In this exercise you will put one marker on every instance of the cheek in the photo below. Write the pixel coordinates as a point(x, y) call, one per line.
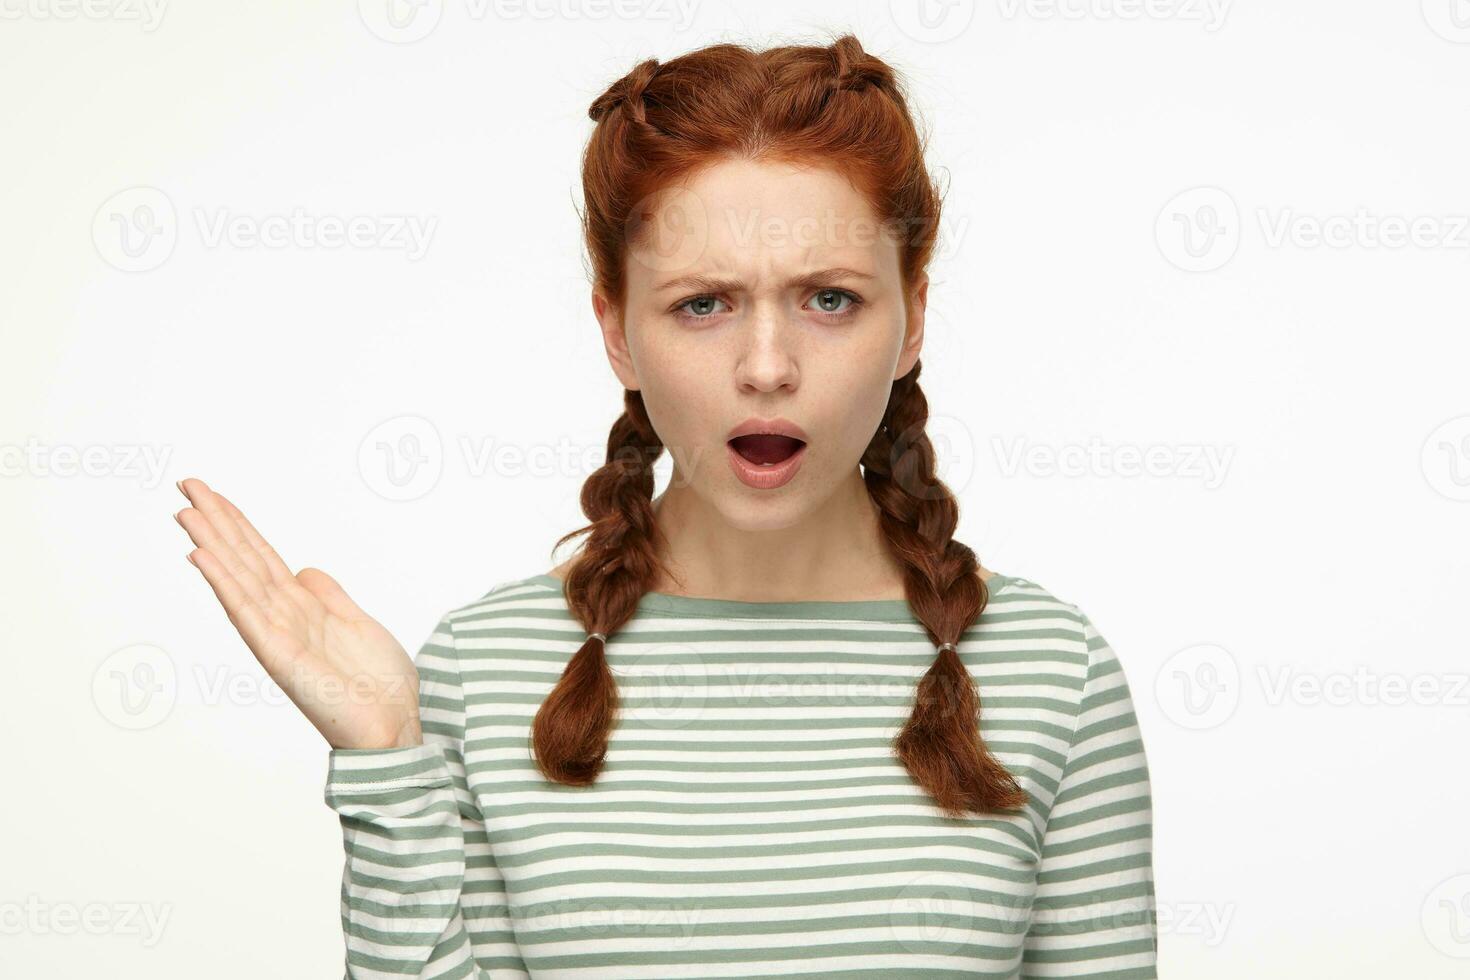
point(855, 395)
point(678, 400)
point(862, 414)
point(842, 400)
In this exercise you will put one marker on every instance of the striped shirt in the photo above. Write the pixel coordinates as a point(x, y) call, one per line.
point(751, 819)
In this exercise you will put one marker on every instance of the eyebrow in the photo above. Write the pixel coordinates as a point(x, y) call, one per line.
point(807, 280)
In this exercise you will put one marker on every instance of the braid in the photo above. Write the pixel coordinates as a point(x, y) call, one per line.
point(627, 94)
point(940, 744)
point(842, 108)
point(618, 564)
point(854, 69)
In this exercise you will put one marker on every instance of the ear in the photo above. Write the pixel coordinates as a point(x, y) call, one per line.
point(913, 341)
point(614, 339)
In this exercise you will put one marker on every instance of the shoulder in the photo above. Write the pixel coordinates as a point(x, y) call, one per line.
point(1056, 638)
point(1021, 594)
point(529, 594)
point(1026, 606)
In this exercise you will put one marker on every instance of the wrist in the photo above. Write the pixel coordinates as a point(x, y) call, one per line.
point(410, 735)
point(409, 741)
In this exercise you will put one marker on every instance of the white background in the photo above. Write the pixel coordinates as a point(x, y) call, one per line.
point(1318, 828)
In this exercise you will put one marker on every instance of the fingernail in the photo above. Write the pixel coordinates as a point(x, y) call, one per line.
point(190, 557)
point(180, 485)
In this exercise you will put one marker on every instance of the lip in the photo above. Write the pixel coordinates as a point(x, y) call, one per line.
point(777, 427)
point(764, 477)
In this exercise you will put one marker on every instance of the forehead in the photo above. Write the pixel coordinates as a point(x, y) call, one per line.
point(778, 189)
point(746, 216)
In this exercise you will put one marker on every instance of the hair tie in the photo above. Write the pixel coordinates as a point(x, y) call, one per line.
point(600, 636)
point(950, 645)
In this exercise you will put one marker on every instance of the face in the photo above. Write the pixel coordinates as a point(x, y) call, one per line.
point(763, 290)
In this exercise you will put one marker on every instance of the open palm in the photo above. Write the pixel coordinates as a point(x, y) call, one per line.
point(346, 673)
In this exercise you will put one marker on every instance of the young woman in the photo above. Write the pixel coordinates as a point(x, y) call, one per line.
point(739, 733)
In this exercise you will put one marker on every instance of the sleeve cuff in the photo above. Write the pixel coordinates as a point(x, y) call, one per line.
point(358, 772)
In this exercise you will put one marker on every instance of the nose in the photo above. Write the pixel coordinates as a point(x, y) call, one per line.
point(767, 360)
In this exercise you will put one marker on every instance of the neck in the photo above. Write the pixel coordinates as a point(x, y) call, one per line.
point(833, 552)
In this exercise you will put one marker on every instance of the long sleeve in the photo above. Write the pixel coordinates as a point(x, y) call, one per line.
point(1094, 915)
point(404, 815)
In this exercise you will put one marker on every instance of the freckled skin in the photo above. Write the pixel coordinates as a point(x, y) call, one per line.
point(706, 359)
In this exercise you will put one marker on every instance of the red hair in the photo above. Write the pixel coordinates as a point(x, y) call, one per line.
point(839, 107)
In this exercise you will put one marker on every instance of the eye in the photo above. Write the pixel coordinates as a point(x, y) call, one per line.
point(827, 300)
point(702, 307)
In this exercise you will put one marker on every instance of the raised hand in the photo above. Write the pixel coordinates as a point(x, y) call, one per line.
point(345, 672)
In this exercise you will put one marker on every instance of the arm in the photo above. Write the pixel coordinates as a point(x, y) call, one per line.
point(1093, 915)
point(409, 822)
point(406, 813)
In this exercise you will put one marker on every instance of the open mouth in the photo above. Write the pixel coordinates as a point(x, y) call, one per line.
point(766, 449)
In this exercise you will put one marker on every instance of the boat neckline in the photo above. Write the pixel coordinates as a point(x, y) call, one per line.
point(872, 609)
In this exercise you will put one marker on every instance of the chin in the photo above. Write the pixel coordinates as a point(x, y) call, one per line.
point(761, 513)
